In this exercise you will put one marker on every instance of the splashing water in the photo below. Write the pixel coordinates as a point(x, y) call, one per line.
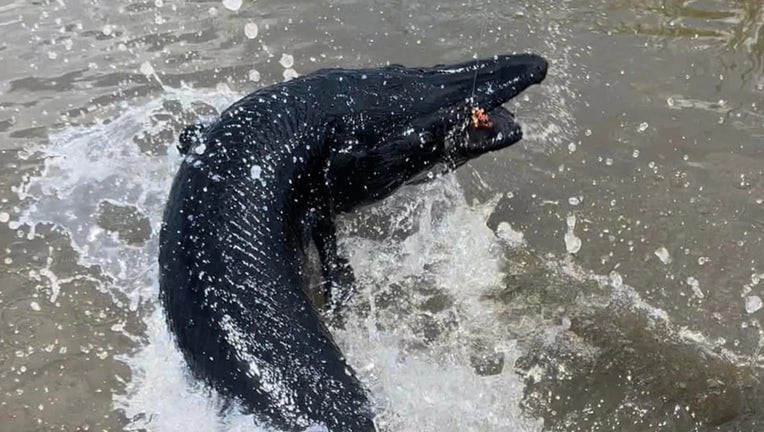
point(453, 250)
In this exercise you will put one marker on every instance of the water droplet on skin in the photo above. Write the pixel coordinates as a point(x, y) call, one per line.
point(147, 69)
point(255, 172)
point(251, 30)
point(232, 5)
point(287, 60)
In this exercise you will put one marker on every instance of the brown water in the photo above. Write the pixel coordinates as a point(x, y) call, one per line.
point(601, 276)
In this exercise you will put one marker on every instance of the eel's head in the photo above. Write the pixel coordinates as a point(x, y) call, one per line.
point(415, 120)
point(469, 99)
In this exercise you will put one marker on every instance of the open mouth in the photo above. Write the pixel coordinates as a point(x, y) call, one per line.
point(493, 130)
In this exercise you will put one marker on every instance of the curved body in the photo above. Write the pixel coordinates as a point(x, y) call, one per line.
point(266, 179)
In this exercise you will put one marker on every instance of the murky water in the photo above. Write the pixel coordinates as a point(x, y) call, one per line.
point(603, 275)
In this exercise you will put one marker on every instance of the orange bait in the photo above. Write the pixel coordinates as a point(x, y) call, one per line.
point(479, 119)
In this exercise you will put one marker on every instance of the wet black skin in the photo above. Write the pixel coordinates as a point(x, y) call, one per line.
point(266, 179)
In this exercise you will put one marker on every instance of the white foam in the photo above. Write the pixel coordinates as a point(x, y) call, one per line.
point(460, 256)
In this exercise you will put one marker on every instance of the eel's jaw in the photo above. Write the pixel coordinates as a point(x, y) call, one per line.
point(467, 142)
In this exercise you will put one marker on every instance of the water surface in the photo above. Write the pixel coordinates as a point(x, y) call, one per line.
point(602, 275)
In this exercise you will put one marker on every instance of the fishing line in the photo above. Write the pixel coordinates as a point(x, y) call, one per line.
point(483, 28)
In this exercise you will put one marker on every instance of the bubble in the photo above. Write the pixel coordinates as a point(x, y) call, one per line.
point(574, 201)
point(616, 280)
point(4, 217)
point(233, 5)
point(287, 60)
point(107, 29)
point(635, 153)
point(251, 30)
point(254, 75)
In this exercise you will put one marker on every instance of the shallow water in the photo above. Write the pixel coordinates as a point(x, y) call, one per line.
point(602, 275)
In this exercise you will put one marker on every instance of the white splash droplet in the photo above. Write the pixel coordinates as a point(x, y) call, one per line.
point(574, 201)
point(200, 148)
point(290, 74)
point(287, 60)
point(505, 232)
point(251, 30)
point(4, 217)
point(233, 5)
point(572, 243)
point(642, 127)
point(35, 306)
point(107, 29)
point(752, 304)
point(254, 75)
point(695, 285)
point(663, 254)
